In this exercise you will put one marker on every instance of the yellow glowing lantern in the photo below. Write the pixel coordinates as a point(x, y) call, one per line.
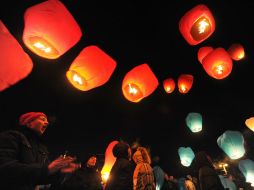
point(184, 83)
point(169, 85)
point(203, 52)
point(236, 52)
point(197, 24)
point(217, 64)
point(91, 68)
point(250, 123)
point(15, 64)
point(139, 83)
point(50, 30)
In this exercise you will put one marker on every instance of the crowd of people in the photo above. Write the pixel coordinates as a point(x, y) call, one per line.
point(25, 165)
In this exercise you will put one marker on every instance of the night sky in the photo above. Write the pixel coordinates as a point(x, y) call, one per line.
point(132, 33)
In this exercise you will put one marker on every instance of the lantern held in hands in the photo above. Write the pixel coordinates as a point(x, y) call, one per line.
point(247, 168)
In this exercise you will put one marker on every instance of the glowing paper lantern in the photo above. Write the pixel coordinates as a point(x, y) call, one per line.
point(247, 168)
point(109, 161)
point(197, 24)
point(91, 68)
point(15, 64)
point(50, 30)
point(169, 85)
point(217, 64)
point(139, 83)
point(194, 122)
point(250, 123)
point(186, 155)
point(203, 52)
point(232, 143)
point(236, 52)
point(184, 83)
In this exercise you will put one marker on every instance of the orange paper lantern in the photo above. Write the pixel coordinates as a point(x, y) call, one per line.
point(203, 52)
point(50, 30)
point(184, 83)
point(15, 64)
point(197, 24)
point(91, 68)
point(236, 52)
point(218, 64)
point(169, 85)
point(139, 83)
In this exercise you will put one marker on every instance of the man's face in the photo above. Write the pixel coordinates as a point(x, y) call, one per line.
point(39, 125)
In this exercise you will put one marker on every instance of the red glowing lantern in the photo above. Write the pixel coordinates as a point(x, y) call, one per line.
point(91, 68)
point(218, 64)
point(169, 85)
point(15, 64)
point(236, 52)
point(203, 52)
point(139, 83)
point(197, 24)
point(50, 30)
point(184, 83)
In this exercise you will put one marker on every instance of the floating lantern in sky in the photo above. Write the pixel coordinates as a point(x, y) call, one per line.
point(194, 122)
point(197, 24)
point(186, 155)
point(247, 168)
point(217, 64)
point(236, 52)
point(109, 161)
point(50, 30)
point(91, 68)
point(139, 83)
point(184, 83)
point(203, 52)
point(232, 143)
point(250, 123)
point(15, 64)
point(169, 85)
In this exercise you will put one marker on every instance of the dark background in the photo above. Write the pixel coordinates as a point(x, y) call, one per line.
point(132, 33)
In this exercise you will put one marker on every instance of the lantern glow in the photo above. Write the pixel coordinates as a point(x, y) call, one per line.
point(139, 83)
point(46, 34)
point(247, 168)
point(194, 122)
point(236, 52)
point(186, 155)
point(203, 52)
point(169, 85)
point(250, 123)
point(184, 83)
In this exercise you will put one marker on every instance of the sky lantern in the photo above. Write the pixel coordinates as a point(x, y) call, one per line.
point(232, 143)
point(139, 83)
point(108, 162)
point(194, 122)
point(250, 123)
point(184, 83)
point(169, 85)
point(186, 155)
point(203, 52)
point(15, 64)
point(247, 168)
point(236, 52)
point(197, 24)
point(49, 29)
point(217, 64)
point(90, 69)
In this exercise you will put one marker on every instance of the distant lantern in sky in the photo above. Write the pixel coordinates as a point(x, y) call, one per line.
point(217, 64)
point(232, 143)
point(194, 122)
point(197, 24)
point(186, 155)
point(90, 69)
point(247, 168)
point(250, 123)
point(50, 29)
point(236, 51)
point(184, 83)
point(169, 85)
point(139, 83)
point(108, 162)
point(15, 64)
point(203, 52)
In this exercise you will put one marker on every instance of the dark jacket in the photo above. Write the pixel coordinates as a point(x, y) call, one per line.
point(23, 160)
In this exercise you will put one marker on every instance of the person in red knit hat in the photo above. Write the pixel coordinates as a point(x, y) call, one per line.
point(24, 163)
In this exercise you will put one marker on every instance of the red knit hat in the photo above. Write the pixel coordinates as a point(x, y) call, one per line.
point(27, 117)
